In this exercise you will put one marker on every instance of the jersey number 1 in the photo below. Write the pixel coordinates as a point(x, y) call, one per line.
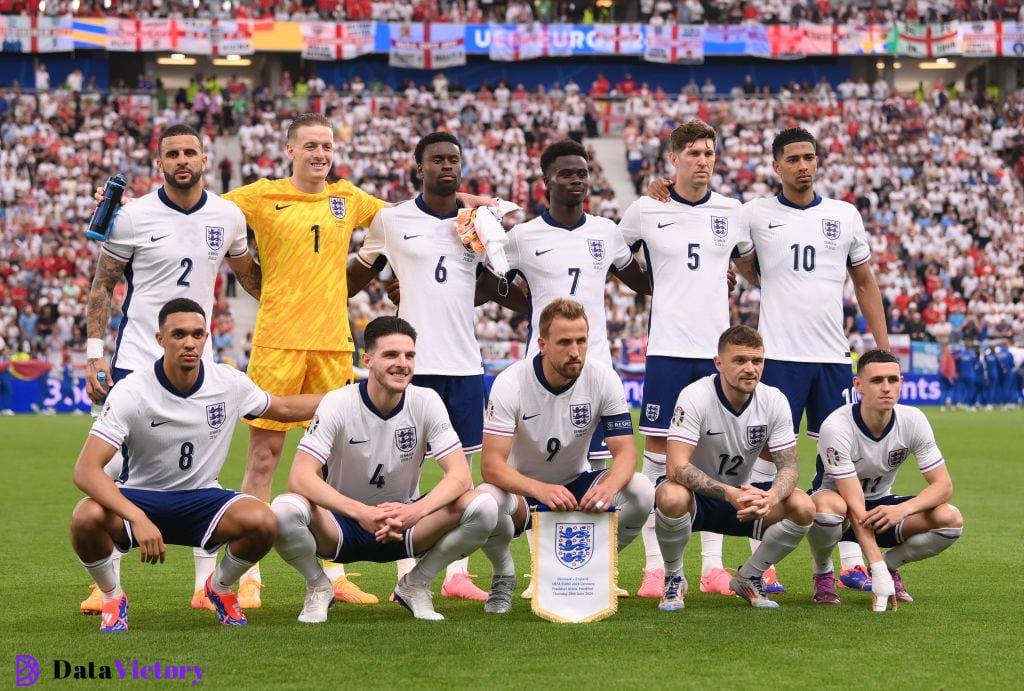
point(315, 230)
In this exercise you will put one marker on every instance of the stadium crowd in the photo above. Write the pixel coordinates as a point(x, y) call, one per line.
point(525, 11)
point(948, 269)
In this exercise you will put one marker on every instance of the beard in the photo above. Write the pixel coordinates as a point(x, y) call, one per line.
point(193, 180)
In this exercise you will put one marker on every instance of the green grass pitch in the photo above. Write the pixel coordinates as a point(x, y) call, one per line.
point(963, 631)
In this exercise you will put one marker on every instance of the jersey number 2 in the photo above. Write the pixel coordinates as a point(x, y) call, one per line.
point(186, 264)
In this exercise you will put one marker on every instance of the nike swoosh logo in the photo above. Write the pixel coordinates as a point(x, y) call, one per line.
point(540, 252)
point(278, 207)
point(353, 440)
point(157, 424)
point(713, 434)
point(666, 225)
point(774, 225)
point(530, 417)
point(410, 237)
point(156, 238)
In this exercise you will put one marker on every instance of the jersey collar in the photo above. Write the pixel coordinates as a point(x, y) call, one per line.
point(676, 197)
point(167, 202)
point(862, 426)
point(539, 371)
point(549, 219)
point(161, 377)
point(725, 401)
point(430, 212)
point(785, 202)
point(365, 395)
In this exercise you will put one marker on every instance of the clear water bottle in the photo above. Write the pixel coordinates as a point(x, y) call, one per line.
point(97, 408)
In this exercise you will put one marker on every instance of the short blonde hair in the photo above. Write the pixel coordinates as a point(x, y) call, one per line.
point(564, 308)
point(308, 120)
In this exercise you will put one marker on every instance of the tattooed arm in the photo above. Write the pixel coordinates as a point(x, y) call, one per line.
point(787, 474)
point(108, 272)
point(248, 273)
point(689, 476)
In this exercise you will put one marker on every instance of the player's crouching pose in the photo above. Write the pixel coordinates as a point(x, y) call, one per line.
point(173, 424)
point(369, 441)
point(862, 447)
point(540, 418)
point(718, 428)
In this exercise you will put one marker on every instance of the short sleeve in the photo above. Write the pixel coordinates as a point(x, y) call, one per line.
point(621, 254)
point(615, 417)
point(120, 411)
point(439, 431)
point(374, 244)
point(687, 418)
point(629, 226)
point(120, 243)
point(240, 245)
point(781, 435)
point(860, 250)
point(835, 453)
point(744, 244)
point(502, 406)
point(366, 205)
point(925, 450)
point(323, 429)
point(512, 250)
point(253, 402)
point(247, 198)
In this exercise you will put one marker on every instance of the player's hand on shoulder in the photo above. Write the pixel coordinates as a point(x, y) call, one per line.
point(658, 189)
point(557, 498)
point(151, 542)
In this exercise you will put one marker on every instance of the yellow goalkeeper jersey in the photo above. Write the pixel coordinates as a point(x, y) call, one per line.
point(303, 242)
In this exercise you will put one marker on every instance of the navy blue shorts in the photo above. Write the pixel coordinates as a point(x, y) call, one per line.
point(719, 516)
point(889, 538)
point(118, 374)
point(817, 387)
point(465, 399)
point(357, 544)
point(579, 487)
point(664, 379)
point(184, 517)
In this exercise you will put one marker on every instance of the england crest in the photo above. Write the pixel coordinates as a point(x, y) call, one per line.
point(652, 411)
point(215, 415)
point(830, 228)
point(897, 457)
point(596, 248)
point(719, 226)
point(337, 206)
point(832, 457)
point(313, 424)
point(405, 439)
point(757, 434)
point(214, 237)
point(575, 544)
point(579, 414)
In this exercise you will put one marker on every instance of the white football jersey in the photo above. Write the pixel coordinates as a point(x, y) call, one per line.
point(375, 458)
point(171, 254)
point(804, 254)
point(847, 448)
point(177, 440)
point(687, 247)
point(551, 428)
point(728, 441)
point(438, 283)
point(560, 262)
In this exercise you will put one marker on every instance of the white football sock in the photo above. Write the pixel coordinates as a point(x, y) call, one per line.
point(710, 552)
point(653, 468)
point(205, 564)
point(295, 543)
point(105, 576)
point(822, 538)
point(116, 556)
point(456, 567)
point(849, 555)
point(779, 540)
point(334, 570)
point(754, 544)
point(254, 573)
point(229, 570)
point(922, 546)
point(404, 566)
point(497, 548)
point(673, 536)
point(475, 525)
point(635, 502)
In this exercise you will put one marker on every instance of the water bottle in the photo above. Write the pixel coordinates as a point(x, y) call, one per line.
point(97, 408)
point(103, 217)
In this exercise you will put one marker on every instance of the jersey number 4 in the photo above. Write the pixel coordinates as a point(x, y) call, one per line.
point(378, 476)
